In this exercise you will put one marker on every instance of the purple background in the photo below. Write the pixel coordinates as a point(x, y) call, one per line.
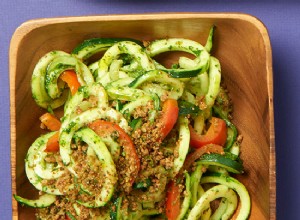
point(282, 19)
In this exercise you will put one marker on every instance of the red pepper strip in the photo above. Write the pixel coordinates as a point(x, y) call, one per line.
point(170, 112)
point(216, 134)
point(104, 128)
point(192, 157)
point(173, 201)
point(70, 77)
point(50, 121)
point(53, 124)
point(53, 143)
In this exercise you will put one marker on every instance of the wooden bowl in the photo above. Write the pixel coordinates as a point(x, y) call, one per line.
point(241, 44)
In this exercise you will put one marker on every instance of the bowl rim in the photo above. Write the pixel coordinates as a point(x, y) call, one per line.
point(30, 25)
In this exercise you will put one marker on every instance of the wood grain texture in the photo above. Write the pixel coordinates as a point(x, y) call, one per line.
point(241, 44)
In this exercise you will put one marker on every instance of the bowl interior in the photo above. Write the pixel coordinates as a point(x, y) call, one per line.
point(241, 44)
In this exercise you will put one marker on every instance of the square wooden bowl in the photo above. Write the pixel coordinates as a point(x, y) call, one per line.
point(241, 44)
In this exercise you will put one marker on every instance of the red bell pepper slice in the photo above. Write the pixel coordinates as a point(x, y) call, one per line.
point(170, 113)
point(173, 201)
point(216, 134)
point(53, 124)
point(50, 121)
point(104, 128)
point(53, 143)
point(70, 77)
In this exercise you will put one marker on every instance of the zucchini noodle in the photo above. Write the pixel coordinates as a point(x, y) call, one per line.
point(137, 139)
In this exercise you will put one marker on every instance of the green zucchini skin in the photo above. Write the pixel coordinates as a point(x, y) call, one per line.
point(187, 108)
point(224, 161)
point(92, 46)
point(115, 214)
point(209, 42)
point(72, 217)
point(143, 184)
point(42, 202)
point(231, 135)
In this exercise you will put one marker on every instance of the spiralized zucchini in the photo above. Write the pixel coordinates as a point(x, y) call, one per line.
point(135, 136)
